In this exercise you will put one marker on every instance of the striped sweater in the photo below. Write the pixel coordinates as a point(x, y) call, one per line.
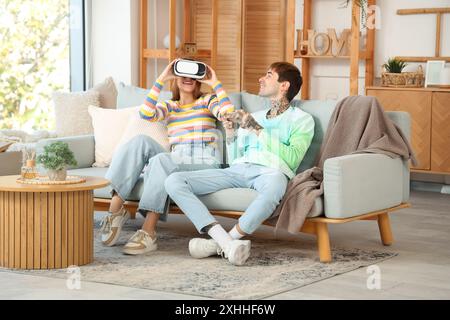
point(190, 123)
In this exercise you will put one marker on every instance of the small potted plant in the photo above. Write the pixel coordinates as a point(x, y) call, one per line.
point(394, 65)
point(56, 157)
point(392, 75)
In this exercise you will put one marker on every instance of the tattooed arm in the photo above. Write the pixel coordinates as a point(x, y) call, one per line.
point(246, 121)
point(231, 128)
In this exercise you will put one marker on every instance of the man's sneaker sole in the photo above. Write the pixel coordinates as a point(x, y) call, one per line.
point(240, 253)
point(113, 239)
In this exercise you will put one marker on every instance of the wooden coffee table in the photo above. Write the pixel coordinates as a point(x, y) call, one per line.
point(46, 226)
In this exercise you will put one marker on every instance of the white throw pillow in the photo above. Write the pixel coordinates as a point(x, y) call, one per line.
point(71, 112)
point(109, 126)
point(137, 126)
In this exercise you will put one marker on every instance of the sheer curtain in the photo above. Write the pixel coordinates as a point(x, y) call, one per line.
point(89, 76)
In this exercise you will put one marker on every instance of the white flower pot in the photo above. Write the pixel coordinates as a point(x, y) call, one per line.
point(57, 175)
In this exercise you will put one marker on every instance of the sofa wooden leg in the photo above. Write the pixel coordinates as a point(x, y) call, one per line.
point(323, 242)
point(385, 229)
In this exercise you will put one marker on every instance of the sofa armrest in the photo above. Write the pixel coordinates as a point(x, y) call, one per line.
point(362, 183)
point(83, 148)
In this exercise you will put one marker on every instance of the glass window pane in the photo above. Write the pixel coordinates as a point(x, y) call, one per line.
point(34, 61)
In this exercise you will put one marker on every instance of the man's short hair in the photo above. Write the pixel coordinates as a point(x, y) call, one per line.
point(288, 72)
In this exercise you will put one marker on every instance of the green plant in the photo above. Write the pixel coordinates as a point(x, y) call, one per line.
point(394, 65)
point(363, 5)
point(358, 2)
point(34, 61)
point(57, 156)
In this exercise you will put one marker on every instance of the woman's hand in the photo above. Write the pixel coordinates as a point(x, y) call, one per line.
point(211, 78)
point(168, 74)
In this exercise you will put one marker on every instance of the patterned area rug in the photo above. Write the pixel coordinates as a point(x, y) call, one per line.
point(273, 267)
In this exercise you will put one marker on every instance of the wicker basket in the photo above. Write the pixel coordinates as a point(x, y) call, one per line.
point(404, 79)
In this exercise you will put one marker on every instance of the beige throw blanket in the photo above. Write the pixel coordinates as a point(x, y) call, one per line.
point(357, 125)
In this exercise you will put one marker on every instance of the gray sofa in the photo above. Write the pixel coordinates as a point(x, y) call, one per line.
point(365, 186)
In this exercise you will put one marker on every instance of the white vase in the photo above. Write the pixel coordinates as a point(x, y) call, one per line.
point(57, 175)
point(166, 42)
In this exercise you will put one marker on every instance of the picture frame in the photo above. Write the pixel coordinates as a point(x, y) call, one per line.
point(433, 72)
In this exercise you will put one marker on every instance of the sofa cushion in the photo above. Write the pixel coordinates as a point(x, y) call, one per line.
point(321, 112)
point(71, 112)
point(128, 96)
point(94, 172)
point(108, 93)
point(138, 126)
point(220, 200)
point(109, 126)
point(236, 99)
point(242, 198)
point(83, 147)
point(253, 103)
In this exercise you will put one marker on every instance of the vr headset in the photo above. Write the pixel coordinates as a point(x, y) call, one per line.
point(189, 69)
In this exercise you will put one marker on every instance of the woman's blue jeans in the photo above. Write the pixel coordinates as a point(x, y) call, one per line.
point(143, 152)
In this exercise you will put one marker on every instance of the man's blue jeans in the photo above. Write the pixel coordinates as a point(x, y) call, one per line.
point(142, 151)
point(183, 187)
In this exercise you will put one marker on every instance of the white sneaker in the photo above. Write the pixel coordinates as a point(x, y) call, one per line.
point(237, 251)
point(140, 243)
point(201, 248)
point(111, 226)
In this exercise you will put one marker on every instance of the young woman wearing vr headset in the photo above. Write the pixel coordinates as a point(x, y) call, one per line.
point(190, 117)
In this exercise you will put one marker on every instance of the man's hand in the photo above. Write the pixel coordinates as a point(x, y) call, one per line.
point(245, 120)
point(230, 128)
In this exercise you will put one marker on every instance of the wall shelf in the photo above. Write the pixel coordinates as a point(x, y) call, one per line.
point(172, 52)
point(355, 53)
point(253, 34)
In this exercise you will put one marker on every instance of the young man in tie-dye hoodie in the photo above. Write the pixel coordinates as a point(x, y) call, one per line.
point(264, 153)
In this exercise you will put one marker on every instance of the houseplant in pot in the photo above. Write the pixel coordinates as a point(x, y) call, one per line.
point(392, 75)
point(56, 157)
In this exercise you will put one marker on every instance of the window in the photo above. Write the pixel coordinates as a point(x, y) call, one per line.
point(36, 58)
point(77, 45)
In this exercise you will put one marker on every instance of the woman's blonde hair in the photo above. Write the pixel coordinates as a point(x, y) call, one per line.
point(176, 90)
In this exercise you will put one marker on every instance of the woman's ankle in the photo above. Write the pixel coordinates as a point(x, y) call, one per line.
point(116, 204)
point(150, 222)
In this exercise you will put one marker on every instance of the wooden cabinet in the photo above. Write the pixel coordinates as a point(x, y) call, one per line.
point(440, 132)
point(430, 122)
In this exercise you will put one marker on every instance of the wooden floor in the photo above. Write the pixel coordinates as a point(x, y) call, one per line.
point(420, 271)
